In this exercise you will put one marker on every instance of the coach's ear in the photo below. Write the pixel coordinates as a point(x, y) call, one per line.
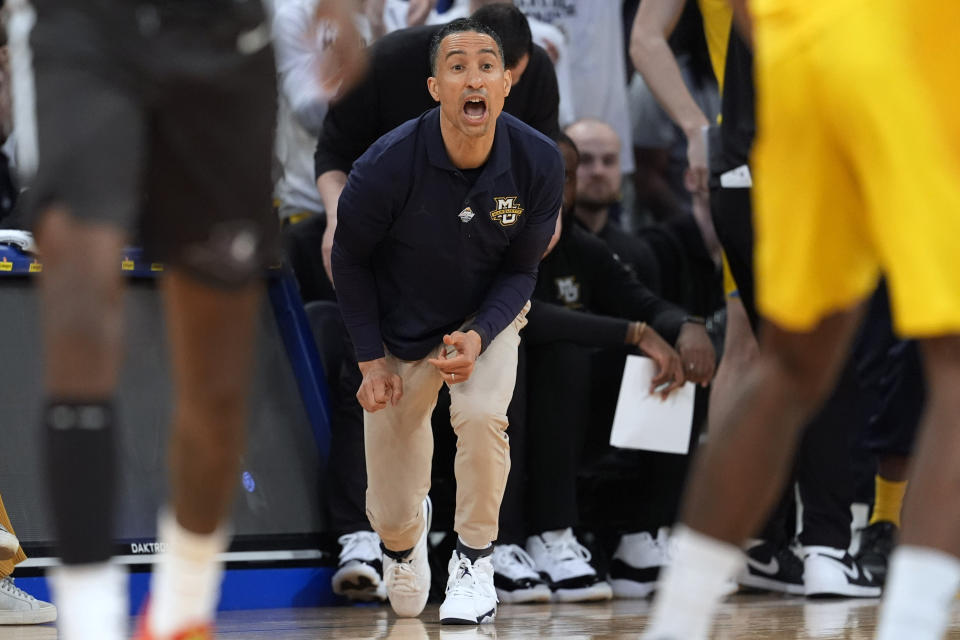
point(432, 88)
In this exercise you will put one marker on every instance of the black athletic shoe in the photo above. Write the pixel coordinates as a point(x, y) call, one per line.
point(359, 574)
point(772, 569)
point(876, 544)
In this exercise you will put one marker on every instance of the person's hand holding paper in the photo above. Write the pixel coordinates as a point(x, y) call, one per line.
point(669, 367)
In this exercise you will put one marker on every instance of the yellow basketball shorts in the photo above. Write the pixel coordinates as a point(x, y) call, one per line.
point(857, 168)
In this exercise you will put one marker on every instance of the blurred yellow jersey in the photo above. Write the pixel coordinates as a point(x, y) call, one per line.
point(717, 18)
point(857, 161)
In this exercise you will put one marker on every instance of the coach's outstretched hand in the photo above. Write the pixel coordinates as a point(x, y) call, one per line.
point(458, 368)
point(380, 386)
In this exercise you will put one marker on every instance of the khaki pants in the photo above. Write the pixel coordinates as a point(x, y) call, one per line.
point(6, 567)
point(399, 445)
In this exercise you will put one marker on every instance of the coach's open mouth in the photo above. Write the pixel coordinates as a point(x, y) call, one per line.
point(475, 109)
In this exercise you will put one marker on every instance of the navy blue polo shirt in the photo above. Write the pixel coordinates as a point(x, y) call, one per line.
point(418, 250)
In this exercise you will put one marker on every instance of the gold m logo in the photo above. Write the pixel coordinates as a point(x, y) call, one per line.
point(507, 212)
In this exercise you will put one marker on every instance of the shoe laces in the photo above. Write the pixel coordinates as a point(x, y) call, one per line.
point(401, 576)
point(512, 560)
point(566, 547)
point(667, 544)
point(361, 545)
point(8, 586)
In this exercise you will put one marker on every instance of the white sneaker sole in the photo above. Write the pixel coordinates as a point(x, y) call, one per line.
point(461, 618)
point(359, 582)
point(30, 616)
point(631, 589)
point(539, 593)
point(842, 591)
point(593, 593)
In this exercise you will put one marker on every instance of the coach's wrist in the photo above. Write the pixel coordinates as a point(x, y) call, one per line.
point(370, 365)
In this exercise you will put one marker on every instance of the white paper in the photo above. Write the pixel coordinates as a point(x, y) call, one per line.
point(644, 420)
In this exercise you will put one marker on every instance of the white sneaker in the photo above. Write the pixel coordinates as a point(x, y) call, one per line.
point(408, 580)
point(635, 568)
point(8, 544)
point(471, 597)
point(834, 572)
point(19, 607)
point(565, 565)
point(515, 576)
point(359, 574)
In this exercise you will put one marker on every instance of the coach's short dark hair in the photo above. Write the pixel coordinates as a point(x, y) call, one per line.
point(461, 25)
point(514, 30)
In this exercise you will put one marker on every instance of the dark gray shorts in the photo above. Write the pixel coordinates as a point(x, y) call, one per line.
point(160, 121)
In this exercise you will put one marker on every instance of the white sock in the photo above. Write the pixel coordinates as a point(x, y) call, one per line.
point(921, 586)
point(185, 587)
point(692, 586)
point(91, 601)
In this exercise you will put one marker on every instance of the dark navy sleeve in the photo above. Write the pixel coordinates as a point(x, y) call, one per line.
point(619, 293)
point(551, 322)
point(514, 285)
point(365, 213)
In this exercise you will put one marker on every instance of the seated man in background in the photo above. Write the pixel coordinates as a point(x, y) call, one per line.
point(599, 179)
point(589, 311)
point(16, 605)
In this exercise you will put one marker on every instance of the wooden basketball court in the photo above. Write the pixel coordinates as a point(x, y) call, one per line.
point(741, 618)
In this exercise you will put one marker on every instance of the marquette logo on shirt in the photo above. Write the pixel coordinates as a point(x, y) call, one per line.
point(507, 212)
point(568, 290)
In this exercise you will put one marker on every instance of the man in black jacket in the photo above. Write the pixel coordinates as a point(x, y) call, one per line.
point(589, 310)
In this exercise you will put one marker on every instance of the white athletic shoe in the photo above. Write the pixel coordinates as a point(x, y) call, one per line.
point(19, 607)
point(408, 580)
point(833, 572)
point(359, 574)
point(565, 565)
point(471, 597)
point(8, 544)
point(515, 576)
point(637, 562)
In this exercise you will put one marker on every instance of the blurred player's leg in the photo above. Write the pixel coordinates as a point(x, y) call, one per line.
point(211, 334)
point(82, 302)
point(925, 569)
point(726, 499)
